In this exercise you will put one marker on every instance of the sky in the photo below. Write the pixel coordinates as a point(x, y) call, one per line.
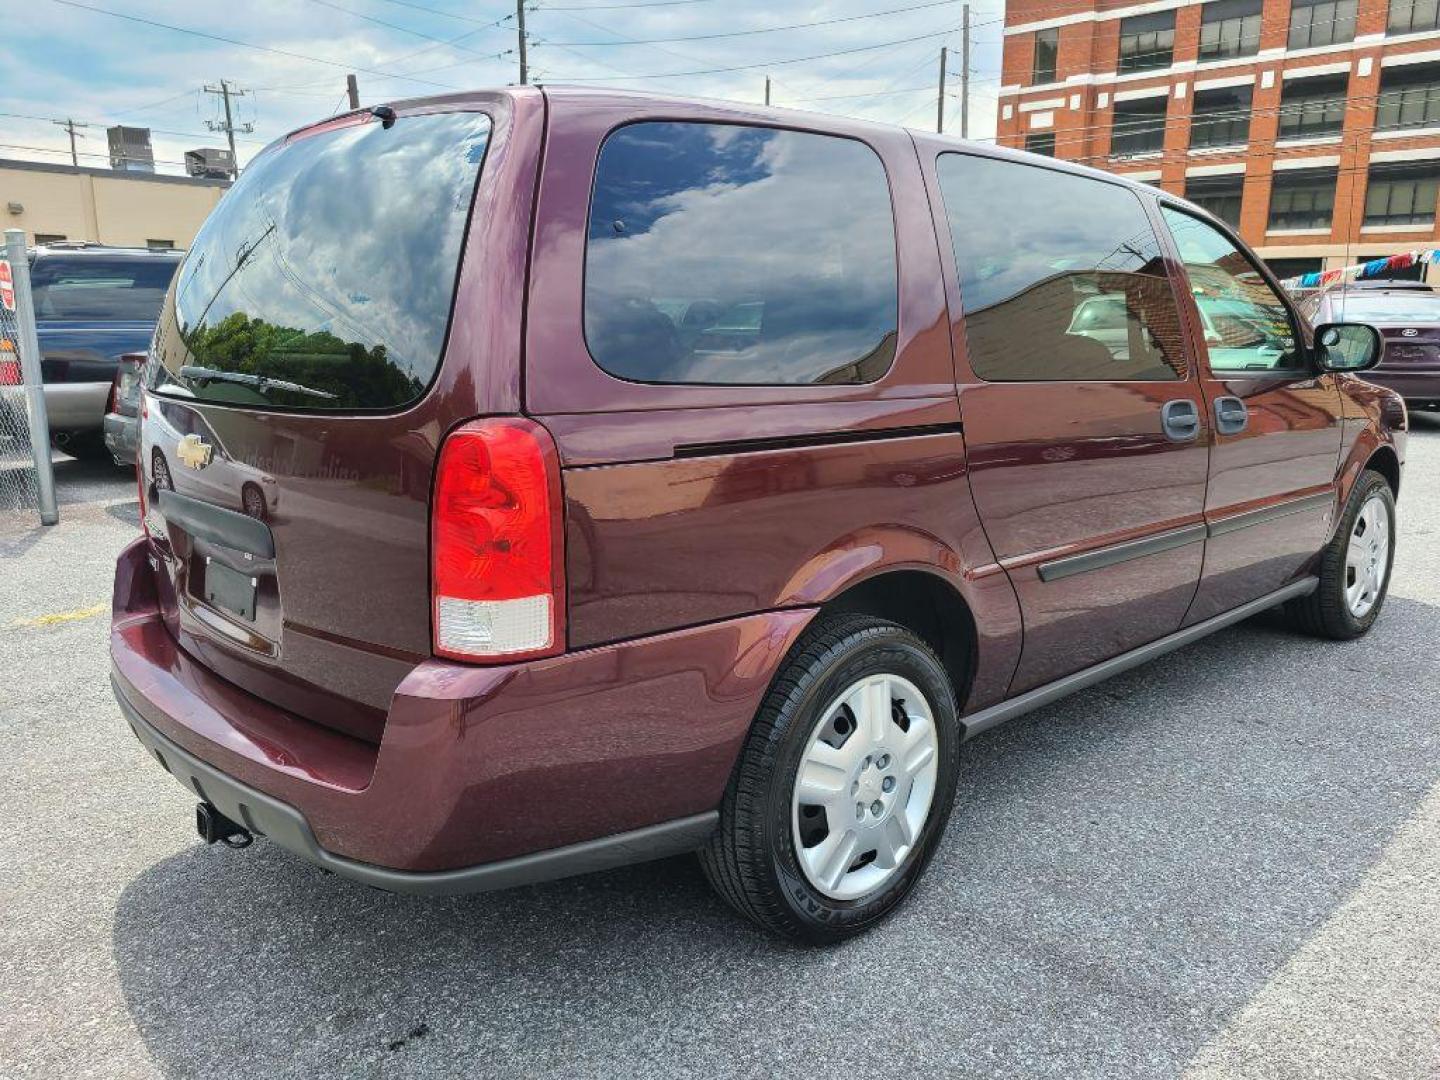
point(77, 59)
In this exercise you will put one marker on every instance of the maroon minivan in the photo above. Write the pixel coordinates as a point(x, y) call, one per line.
point(544, 480)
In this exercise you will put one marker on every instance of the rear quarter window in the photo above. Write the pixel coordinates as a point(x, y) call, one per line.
point(730, 254)
point(324, 279)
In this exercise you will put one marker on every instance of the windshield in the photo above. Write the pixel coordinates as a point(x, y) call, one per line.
point(99, 288)
point(1396, 307)
point(323, 280)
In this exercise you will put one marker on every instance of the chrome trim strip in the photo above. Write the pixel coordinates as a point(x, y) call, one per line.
point(1118, 553)
point(996, 715)
point(1247, 518)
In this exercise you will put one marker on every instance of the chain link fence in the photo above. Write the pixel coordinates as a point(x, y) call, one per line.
point(26, 482)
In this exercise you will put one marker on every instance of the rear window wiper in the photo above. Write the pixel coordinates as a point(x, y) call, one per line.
point(260, 382)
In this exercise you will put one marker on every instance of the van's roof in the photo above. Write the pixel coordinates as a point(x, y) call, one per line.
point(599, 97)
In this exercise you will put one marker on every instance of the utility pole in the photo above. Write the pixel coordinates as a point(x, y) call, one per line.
point(767, 89)
point(353, 89)
point(520, 31)
point(70, 126)
point(965, 72)
point(226, 91)
point(940, 97)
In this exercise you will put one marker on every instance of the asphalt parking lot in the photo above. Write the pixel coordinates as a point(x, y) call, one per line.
point(1224, 864)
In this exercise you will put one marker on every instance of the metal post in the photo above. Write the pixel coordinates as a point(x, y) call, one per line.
point(767, 89)
point(965, 72)
point(940, 98)
point(520, 32)
point(353, 89)
point(29, 344)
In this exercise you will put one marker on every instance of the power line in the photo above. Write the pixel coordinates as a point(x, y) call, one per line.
point(343, 65)
point(761, 30)
point(617, 7)
point(749, 67)
point(451, 43)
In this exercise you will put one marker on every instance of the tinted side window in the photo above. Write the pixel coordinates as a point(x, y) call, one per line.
point(100, 288)
point(1061, 276)
point(721, 253)
point(1247, 327)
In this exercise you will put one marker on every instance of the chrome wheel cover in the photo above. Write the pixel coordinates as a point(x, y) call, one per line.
point(864, 786)
point(1367, 557)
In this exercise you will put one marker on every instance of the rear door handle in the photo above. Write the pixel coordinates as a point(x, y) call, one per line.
point(1231, 415)
point(1180, 420)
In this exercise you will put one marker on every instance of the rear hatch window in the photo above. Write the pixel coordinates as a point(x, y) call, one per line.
point(100, 288)
point(323, 281)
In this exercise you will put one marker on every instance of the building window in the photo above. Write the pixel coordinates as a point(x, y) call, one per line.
point(1148, 41)
point(160, 245)
point(1139, 126)
point(1413, 16)
point(1221, 117)
point(1409, 97)
point(1314, 23)
point(1402, 194)
point(1047, 46)
point(1310, 108)
point(1221, 195)
point(1302, 199)
point(1289, 268)
point(49, 237)
point(1041, 142)
point(1230, 28)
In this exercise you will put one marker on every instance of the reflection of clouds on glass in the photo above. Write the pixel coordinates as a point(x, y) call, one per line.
point(724, 253)
point(354, 232)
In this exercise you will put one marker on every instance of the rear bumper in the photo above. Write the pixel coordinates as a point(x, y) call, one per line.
point(76, 406)
point(122, 437)
point(484, 777)
point(287, 827)
point(1413, 386)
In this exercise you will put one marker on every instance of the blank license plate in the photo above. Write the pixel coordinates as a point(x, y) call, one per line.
point(229, 590)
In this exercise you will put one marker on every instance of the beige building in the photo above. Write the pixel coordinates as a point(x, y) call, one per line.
point(62, 202)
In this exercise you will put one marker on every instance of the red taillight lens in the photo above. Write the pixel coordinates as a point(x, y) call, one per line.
point(10, 374)
point(497, 570)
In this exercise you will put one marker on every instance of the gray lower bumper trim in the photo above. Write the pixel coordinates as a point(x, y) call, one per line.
point(286, 826)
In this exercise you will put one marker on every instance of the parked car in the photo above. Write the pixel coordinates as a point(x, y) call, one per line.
point(561, 582)
point(1407, 314)
point(122, 412)
point(93, 304)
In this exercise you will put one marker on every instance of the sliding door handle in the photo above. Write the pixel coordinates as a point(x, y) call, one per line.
point(1180, 420)
point(1231, 415)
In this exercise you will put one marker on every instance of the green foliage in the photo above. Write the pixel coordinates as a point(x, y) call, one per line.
point(360, 378)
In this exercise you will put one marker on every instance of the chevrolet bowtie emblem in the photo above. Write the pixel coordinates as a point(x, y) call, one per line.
point(194, 451)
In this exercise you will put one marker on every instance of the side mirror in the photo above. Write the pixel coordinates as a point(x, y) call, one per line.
point(1348, 347)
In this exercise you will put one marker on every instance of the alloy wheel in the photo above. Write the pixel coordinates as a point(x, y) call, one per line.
point(864, 786)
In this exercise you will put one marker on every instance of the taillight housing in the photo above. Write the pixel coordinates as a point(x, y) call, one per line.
point(497, 572)
point(10, 374)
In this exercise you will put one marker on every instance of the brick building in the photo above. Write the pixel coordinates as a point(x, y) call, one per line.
point(1311, 125)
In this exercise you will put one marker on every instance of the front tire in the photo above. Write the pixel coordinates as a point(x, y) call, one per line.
point(844, 785)
point(1354, 567)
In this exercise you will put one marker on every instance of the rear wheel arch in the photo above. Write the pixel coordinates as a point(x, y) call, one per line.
point(926, 604)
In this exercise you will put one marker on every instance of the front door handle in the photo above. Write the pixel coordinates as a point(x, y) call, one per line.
point(1231, 415)
point(1180, 420)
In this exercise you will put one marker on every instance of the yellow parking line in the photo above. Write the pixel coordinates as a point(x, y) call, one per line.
point(58, 617)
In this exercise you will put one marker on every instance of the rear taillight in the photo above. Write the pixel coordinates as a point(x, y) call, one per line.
point(497, 562)
point(10, 374)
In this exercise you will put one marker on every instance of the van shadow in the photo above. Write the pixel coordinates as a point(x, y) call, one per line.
point(1124, 870)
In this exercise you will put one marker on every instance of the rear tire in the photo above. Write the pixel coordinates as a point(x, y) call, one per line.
point(87, 446)
point(845, 709)
point(1354, 567)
